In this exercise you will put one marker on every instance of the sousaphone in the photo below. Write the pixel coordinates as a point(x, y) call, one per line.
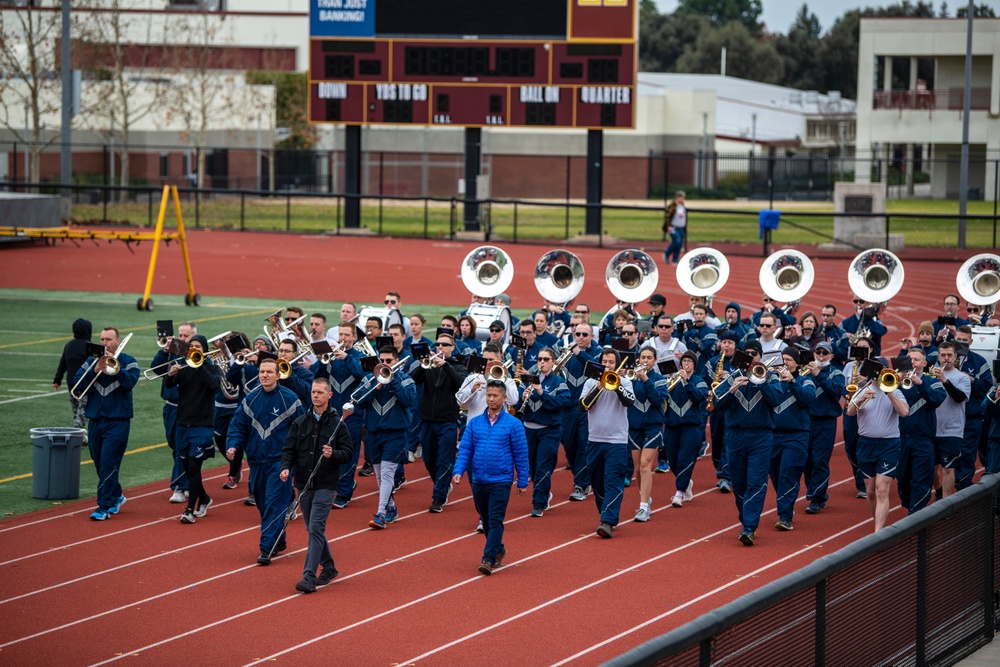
point(702, 272)
point(875, 275)
point(787, 275)
point(978, 280)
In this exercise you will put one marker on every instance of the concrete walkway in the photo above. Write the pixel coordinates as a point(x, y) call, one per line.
point(987, 656)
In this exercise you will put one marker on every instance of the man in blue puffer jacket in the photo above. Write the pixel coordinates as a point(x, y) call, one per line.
point(260, 428)
point(493, 448)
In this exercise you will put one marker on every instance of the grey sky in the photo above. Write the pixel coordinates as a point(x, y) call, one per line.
point(779, 14)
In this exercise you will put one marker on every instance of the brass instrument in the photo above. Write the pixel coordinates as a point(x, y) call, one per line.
point(787, 275)
point(382, 375)
point(564, 357)
point(864, 399)
point(875, 276)
point(702, 272)
point(327, 357)
point(674, 380)
point(978, 280)
point(559, 278)
point(995, 398)
point(852, 388)
point(497, 370)
point(906, 380)
point(428, 362)
point(631, 276)
point(757, 373)
point(111, 367)
point(888, 380)
point(610, 381)
point(194, 358)
point(710, 403)
point(632, 372)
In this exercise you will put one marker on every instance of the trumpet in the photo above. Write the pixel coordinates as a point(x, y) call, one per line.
point(382, 375)
point(327, 357)
point(563, 358)
point(631, 372)
point(241, 358)
point(674, 380)
point(111, 367)
point(427, 362)
point(906, 380)
point(162, 341)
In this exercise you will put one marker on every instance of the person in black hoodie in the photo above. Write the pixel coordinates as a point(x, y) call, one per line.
point(74, 355)
point(439, 414)
point(317, 438)
point(194, 434)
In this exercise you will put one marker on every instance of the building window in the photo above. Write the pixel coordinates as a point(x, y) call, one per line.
point(164, 165)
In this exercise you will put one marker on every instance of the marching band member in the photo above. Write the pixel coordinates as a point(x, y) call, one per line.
point(768, 308)
point(611, 325)
point(607, 428)
point(260, 428)
point(685, 426)
point(630, 333)
point(467, 331)
point(450, 322)
point(990, 407)
point(178, 477)
point(851, 421)
point(497, 331)
point(193, 432)
point(417, 324)
point(226, 403)
point(387, 414)
point(667, 345)
point(493, 448)
point(574, 421)
point(866, 315)
point(806, 333)
point(109, 415)
point(924, 339)
point(717, 368)
point(749, 440)
point(943, 332)
point(646, 419)
point(878, 444)
point(732, 322)
point(343, 372)
point(317, 441)
point(439, 414)
point(700, 337)
point(300, 380)
point(657, 303)
point(471, 396)
point(693, 301)
point(915, 473)
point(542, 335)
point(839, 339)
point(791, 436)
point(824, 411)
point(948, 439)
point(975, 367)
point(542, 405)
point(394, 302)
point(241, 376)
point(769, 345)
point(531, 350)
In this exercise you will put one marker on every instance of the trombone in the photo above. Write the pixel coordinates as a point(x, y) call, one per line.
point(382, 375)
point(111, 367)
point(610, 381)
point(194, 359)
point(498, 370)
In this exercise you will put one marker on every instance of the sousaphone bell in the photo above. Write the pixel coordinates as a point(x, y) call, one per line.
point(978, 280)
point(486, 272)
point(787, 275)
point(875, 275)
point(702, 272)
point(631, 276)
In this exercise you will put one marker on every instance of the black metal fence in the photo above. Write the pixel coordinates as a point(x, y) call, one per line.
point(507, 220)
point(923, 591)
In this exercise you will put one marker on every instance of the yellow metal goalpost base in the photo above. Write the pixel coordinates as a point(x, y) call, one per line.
point(192, 298)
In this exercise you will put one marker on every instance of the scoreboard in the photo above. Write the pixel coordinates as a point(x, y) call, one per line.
point(474, 63)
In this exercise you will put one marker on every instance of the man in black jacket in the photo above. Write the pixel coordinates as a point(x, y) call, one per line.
point(316, 438)
point(74, 355)
point(439, 414)
point(194, 433)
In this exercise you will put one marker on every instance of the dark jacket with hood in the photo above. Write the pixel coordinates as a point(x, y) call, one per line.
point(75, 352)
point(741, 328)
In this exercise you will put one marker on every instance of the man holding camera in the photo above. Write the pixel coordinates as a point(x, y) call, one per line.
point(948, 323)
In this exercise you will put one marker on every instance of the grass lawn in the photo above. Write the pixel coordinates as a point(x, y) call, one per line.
point(31, 353)
point(641, 222)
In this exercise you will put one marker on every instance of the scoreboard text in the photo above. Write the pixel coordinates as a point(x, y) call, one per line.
point(557, 63)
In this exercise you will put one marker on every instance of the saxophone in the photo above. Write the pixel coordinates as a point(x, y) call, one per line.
point(710, 404)
point(519, 366)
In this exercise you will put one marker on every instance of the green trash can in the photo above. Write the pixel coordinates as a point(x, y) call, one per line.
point(55, 471)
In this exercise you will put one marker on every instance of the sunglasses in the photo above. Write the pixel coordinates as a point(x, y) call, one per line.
point(664, 326)
point(582, 312)
point(766, 326)
point(443, 345)
point(857, 301)
point(629, 333)
point(822, 352)
point(496, 330)
point(545, 359)
point(767, 300)
point(972, 309)
point(291, 319)
point(390, 302)
point(581, 335)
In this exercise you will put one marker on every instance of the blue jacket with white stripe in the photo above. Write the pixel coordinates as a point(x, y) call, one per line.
point(260, 425)
point(389, 408)
point(792, 413)
point(111, 395)
point(923, 399)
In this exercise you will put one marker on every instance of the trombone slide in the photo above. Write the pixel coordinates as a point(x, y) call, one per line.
point(111, 367)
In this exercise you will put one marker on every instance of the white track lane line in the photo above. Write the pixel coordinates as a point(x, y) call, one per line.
point(588, 536)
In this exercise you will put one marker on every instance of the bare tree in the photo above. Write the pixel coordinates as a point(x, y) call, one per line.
point(207, 90)
point(29, 77)
point(125, 74)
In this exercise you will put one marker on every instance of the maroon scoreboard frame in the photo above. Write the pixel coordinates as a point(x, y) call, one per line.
point(422, 70)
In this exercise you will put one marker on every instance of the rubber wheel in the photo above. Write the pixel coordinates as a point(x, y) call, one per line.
point(197, 299)
point(187, 299)
point(138, 304)
point(149, 305)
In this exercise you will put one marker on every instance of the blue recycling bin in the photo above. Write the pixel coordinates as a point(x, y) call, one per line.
point(55, 470)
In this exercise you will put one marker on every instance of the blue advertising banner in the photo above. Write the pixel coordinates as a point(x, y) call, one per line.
point(342, 18)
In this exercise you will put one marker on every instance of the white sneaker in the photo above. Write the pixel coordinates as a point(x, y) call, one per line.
point(678, 499)
point(689, 494)
point(642, 515)
point(178, 497)
point(203, 509)
point(479, 528)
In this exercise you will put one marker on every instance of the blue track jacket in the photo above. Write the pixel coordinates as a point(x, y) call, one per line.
point(111, 395)
point(260, 425)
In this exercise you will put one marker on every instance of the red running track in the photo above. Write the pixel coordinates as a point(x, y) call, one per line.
point(143, 587)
